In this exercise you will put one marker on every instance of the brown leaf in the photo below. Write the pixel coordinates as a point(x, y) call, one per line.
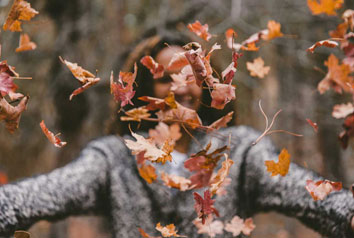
point(136, 114)
point(167, 231)
point(157, 70)
point(257, 68)
point(222, 94)
point(20, 11)
point(25, 44)
point(238, 225)
point(282, 167)
point(147, 172)
point(312, 124)
point(12, 114)
point(342, 110)
point(54, 139)
point(222, 122)
point(220, 177)
point(212, 228)
point(200, 30)
point(327, 43)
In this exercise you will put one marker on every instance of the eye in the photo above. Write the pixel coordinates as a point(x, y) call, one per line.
point(164, 79)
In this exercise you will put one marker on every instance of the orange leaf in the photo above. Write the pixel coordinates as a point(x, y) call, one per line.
point(12, 114)
point(174, 181)
point(222, 94)
point(327, 43)
point(282, 167)
point(136, 114)
point(230, 35)
point(177, 61)
point(222, 122)
point(167, 231)
point(257, 68)
point(157, 70)
point(54, 139)
point(147, 172)
point(25, 44)
point(3, 178)
point(324, 6)
point(220, 177)
point(273, 31)
point(20, 11)
point(200, 30)
point(340, 31)
point(320, 189)
point(163, 132)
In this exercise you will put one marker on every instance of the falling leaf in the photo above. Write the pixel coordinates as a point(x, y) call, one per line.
point(257, 68)
point(136, 114)
point(320, 189)
point(20, 11)
point(337, 77)
point(273, 31)
point(152, 153)
point(154, 103)
point(200, 30)
point(22, 234)
point(25, 44)
point(204, 207)
point(163, 132)
point(348, 132)
point(222, 190)
point(6, 81)
point(174, 181)
point(282, 167)
point(340, 31)
point(348, 16)
point(12, 114)
point(157, 70)
point(342, 110)
point(177, 61)
point(184, 78)
point(237, 225)
point(328, 7)
point(54, 139)
point(222, 122)
point(123, 90)
point(228, 73)
point(312, 124)
point(145, 235)
point(167, 231)
point(212, 228)
point(223, 172)
point(86, 78)
point(3, 178)
point(222, 94)
point(327, 43)
point(230, 35)
point(147, 172)
point(198, 66)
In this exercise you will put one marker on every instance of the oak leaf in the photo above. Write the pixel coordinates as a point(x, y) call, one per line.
point(320, 189)
point(54, 139)
point(167, 231)
point(20, 11)
point(282, 167)
point(257, 68)
point(328, 7)
point(11, 115)
point(204, 207)
point(25, 44)
point(156, 69)
point(327, 43)
point(238, 225)
point(200, 30)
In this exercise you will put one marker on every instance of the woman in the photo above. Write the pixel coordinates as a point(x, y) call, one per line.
point(104, 180)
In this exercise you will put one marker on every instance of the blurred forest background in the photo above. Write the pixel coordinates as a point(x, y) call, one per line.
point(95, 33)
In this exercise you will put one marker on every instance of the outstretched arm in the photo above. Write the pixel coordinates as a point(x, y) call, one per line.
point(80, 187)
point(262, 192)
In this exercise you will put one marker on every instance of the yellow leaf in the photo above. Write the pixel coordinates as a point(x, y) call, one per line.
point(282, 167)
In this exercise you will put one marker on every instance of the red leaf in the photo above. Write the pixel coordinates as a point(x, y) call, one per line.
point(157, 70)
point(327, 43)
point(200, 30)
point(54, 139)
point(204, 207)
point(320, 189)
point(313, 124)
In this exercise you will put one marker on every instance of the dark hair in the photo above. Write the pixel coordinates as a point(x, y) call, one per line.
point(152, 46)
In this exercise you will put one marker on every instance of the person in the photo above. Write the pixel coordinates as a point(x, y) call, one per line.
point(104, 180)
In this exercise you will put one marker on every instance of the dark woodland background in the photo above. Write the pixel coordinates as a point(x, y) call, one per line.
point(95, 33)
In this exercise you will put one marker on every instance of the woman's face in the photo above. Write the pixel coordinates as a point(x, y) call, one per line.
point(188, 96)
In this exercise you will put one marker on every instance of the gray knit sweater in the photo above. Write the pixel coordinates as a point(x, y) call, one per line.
point(104, 180)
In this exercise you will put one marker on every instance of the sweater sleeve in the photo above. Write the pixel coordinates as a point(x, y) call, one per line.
point(330, 217)
point(77, 188)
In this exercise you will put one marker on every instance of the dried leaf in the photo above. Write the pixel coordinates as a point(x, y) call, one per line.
point(177, 62)
point(200, 30)
point(348, 16)
point(327, 43)
point(167, 231)
point(204, 207)
point(313, 125)
point(3, 178)
point(20, 11)
point(222, 94)
point(174, 181)
point(12, 114)
point(257, 68)
point(348, 132)
point(282, 167)
point(147, 172)
point(320, 189)
point(25, 44)
point(163, 132)
point(123, 90)
point(222, 122)
point(6, 82)
point(136, 114)
point(340, 31)
point(220, 177)
point(212, 228)
point(238, 225)
point(157, 70)
point(328, 7)
point(230, 35)
point(273, 31)
point(54, 139)
point(196, 62)
point(229, 73)
point(145, 235)
point(342, 110)
point(22, 234)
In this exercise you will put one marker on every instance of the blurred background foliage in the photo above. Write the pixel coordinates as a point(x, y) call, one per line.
point(95, 34)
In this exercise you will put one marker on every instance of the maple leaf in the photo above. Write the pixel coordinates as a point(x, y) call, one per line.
point(174, 181)
point(313, 125)
point(177, 61)
point(320, 189)
point(200, 30)
point(222, 190)
point(212, 228)
point(221, 175)
point(222, 122)
point(145, 235)
point(257, 68)
point(340, 31)
point(157, 70)
point(235, 57)
point(204, 207)
point(136, 114)
point(152, 153)
point(163, 132)
point(238, 225)
point(147, 172)
point(273, 31)
point(197, 64)
point(348, 16)
point(324, 6)
point(342, 110)
point(229, 73)
point(25, 44)
point(123, 89)
point(222, 94)
point(12, 114)
point(327, 43)
point(184, 78)
point(20, 11)
point(86, 78)
point(54, 139)
point(337, 77)
point(167, 231)
point(348, 126)
point(230, 35)
point(282, 167)
point(6, 82)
